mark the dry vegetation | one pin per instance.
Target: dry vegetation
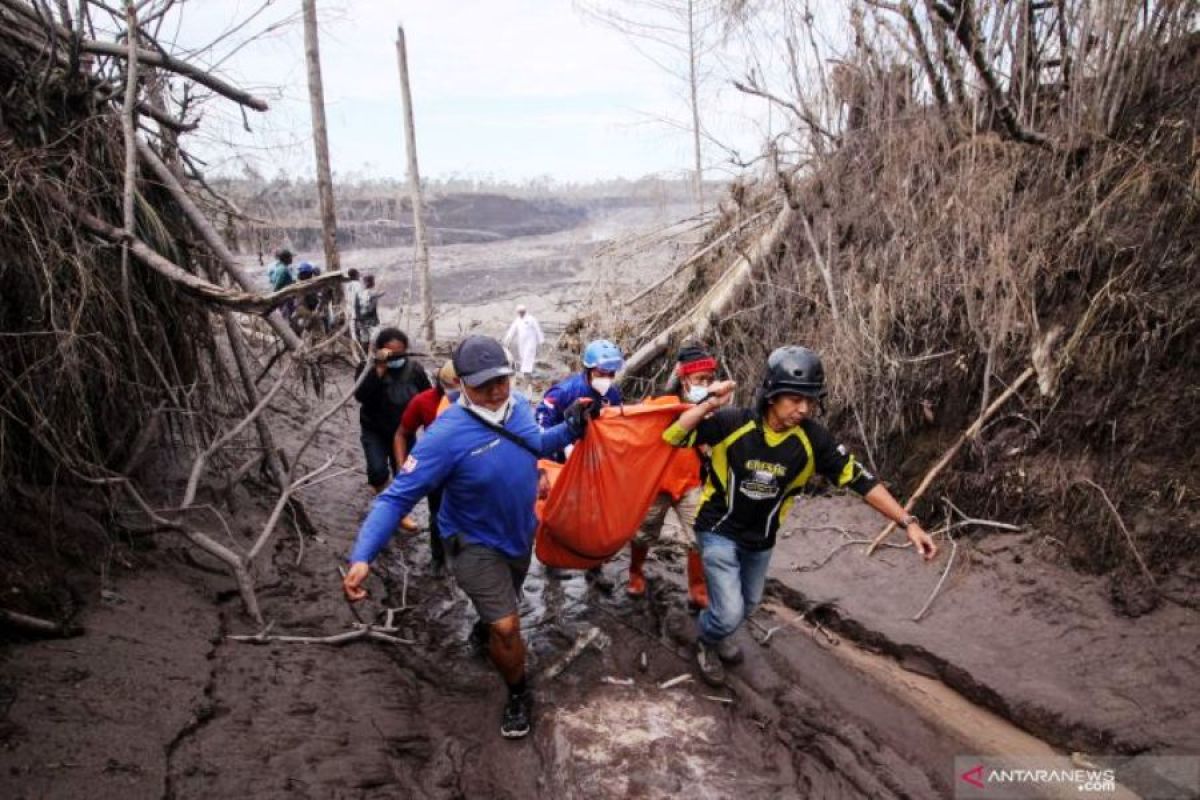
(131, 337)
(1027, 198)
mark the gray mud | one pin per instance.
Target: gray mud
(1013, 629)
(155, 701)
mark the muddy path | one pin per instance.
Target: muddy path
(157, 701)
(421, 720)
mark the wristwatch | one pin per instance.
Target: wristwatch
(908, 519)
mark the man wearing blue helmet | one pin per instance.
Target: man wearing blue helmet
(601, 361)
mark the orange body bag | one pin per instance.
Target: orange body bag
(599, 498)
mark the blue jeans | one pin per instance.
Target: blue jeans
(736, 577)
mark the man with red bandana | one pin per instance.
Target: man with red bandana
(680, 485)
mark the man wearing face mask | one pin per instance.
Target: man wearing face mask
(762, 457)
(393, 381)
(601, 361)
(482, 453)
(679, 487)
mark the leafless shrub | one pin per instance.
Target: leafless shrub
(1043, 175)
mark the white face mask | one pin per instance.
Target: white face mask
(697, 394)
(602, 385)
(496, 417)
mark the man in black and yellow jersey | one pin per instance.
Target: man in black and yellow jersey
(761, 460)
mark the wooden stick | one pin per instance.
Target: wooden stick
(591, 635)
(365, 632)
(673, 682)
(938, 587)
(969, 434)
(1124, 530)
(43, 627)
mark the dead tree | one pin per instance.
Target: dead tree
(414, 187)
(673, 27)
(698, 174)
(316, 99)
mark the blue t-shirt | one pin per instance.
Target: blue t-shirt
(489, 483)
(561, 395)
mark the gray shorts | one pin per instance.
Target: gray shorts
(491, 579)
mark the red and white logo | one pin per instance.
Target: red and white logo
(974, 776)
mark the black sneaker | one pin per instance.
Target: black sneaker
(518, 716)
(711, 668)
(479, 638)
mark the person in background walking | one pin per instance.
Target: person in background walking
(312, 310)
(527, 333)
(392, 382)
(366, 311)
(350, 290)
(280, 276)
(762, 457)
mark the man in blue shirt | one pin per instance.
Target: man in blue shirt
(483, 454)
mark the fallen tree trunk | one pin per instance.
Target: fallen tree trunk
(695, 257)
(162, 61)
(698, 320)
(186, 281)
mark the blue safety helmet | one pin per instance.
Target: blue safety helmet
(305, 269)
(603, 354)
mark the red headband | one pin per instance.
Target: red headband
(707, 364)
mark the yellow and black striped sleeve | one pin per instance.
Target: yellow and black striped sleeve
(710, 431)
(836, 463)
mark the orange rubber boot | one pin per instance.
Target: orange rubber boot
(697, 588)
(637, 579)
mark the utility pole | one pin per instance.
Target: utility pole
(316, 98)
(414, 186)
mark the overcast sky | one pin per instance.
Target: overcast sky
(515, 89)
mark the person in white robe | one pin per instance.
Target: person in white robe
(527, 334)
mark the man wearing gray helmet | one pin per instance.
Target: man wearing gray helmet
(762, 457)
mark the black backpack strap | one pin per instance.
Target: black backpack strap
(505, 432)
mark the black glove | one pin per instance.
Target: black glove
(579, 413)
